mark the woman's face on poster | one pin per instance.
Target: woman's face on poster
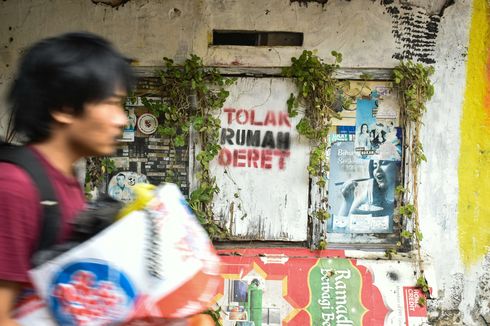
(364, 129)
(384, 173)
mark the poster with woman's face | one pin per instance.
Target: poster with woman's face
(361, 192)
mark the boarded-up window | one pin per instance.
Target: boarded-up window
(261, 169)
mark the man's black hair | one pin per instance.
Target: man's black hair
(64, 73)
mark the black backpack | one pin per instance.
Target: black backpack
(98, 215)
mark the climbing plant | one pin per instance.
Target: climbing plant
(191, 98)
(321, 96)
(414, 90)
(97, 168)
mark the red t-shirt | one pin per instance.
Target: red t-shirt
(20, 215)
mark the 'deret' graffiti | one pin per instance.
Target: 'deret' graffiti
(256, 146)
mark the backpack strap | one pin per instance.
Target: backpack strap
(50, 219)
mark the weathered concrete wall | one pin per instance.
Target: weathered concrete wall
(368, 34)
(451, 35)
(454, 216)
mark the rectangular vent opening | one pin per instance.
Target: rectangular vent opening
(257, 38)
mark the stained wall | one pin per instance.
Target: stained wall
(450, 35)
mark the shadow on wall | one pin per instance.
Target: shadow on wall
(112, 3)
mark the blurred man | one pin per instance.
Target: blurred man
(66, 103)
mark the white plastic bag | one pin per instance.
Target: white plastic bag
(154, 263)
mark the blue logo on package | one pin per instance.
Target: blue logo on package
(91, 292)
(184, 203)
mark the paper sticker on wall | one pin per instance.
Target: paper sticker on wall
(387, 106)
(121, 185)
(361, 192)
(129, 129)
(147, 123)
(376, 137)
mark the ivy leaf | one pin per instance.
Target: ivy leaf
(419, 235)
(406, 234)
(179, 141)
(322, 245)
(400, 190)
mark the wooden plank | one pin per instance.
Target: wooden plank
(263, 179)
(341, 73)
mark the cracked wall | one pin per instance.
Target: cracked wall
(481, 307)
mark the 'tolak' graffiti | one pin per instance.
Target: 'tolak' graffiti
(262, 149)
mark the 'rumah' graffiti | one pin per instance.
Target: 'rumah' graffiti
(262, 149)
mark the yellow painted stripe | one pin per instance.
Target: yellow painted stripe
(474, 160)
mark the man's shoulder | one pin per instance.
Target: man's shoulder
(13, 178)
(19, 217)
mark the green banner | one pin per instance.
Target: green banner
(335, 290)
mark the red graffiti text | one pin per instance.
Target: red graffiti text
(253, 158)
(244, 116)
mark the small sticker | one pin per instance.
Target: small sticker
(147, 123)
(412, 307)
(120, 186)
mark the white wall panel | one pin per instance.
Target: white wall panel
(264, 189)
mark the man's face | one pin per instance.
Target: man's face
(96, 130)
(120, 180)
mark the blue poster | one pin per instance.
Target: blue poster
(361, 192)
(376, 138)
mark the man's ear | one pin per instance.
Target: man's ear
(63, 116)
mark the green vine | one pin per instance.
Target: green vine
(414, 90)
(192, 98)
(322, 244)
(424, 287)
(97, 169)
(322, 97)
(322, 214)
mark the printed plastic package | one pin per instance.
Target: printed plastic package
(155, 263)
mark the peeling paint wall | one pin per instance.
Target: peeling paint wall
(451, 35)
(260, 149)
